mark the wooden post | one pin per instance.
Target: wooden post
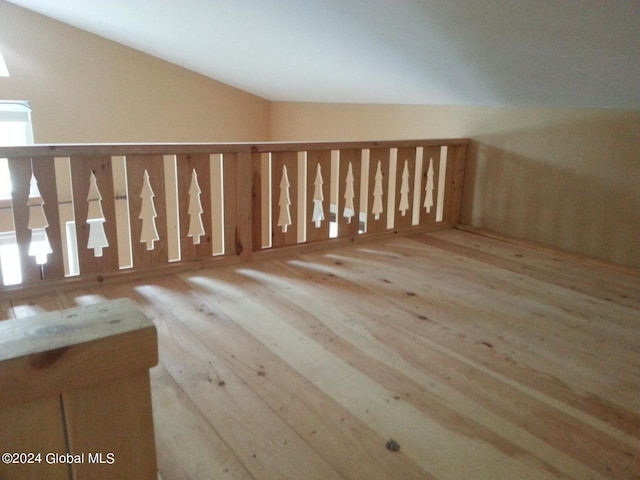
(75, 393)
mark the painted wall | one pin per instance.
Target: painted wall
(567, 178)
(84, 89)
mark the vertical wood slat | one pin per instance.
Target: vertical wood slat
(353, 156)
(239, 206)
(403, 222)
(315, 158)
(256, 201)
(35, 427)
(244, 204)
(81, 169)
(428, 154)
(44, 171)
(290, 161)
(230, 181)
(185, 166)
(136, 166)
(20, 171)
(456, 160)
(381, 155)
(128, 435)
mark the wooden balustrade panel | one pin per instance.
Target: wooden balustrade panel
(244, 204)
(429, 197)
(194, 205)
(43, 170)
(240, 203)
(318, 186)
(349, 180)
(257, 201)
(230, 201)
(81, 169)
(284, 197)
(456, 157)
(405, 176)
(378, 189)
(20, 172)
(142, 233)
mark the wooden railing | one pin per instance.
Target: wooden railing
(79, 213)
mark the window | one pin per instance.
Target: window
(15, 123)
(15, 129)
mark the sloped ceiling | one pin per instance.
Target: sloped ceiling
(571, 53)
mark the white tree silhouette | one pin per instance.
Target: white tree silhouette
(196, 228)
(377, 193)
(349, 195)
(95, 219)
(318, 198)
(38, 223)
(428, 199)
(284, 218)
(149, 233)
(404, 189)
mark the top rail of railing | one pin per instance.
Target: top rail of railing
(68, 149)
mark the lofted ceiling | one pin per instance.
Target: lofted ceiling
(570, 53)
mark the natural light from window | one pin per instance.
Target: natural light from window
(15, 129)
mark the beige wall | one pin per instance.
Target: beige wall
(83, 88)
(563, 177)
(567, 178)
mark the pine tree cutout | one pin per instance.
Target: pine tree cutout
(95, 219)
(284, 218)
(428, 199)
(318, 198)
(404, 189)
(149, 233)
(38, 223)
(196, 228)
(349, 195)
(377, 193)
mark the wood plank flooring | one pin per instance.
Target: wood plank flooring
(483, 359)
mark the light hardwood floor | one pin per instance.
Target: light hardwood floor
(482, 359)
